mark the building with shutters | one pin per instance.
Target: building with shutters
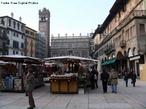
(14, 31)
(120, 41)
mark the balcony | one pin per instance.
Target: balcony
(127, 19)
(133, 14)
(123, 44)
(110, 49)
(3, 36)
(97, 46)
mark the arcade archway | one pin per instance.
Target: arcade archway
(121, 61)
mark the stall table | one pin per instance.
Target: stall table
(63, 85)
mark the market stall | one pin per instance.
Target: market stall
(73, 75)
(48, 69)
(14, 71)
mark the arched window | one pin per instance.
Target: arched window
(125, 54)
(102, 60)
(134, 51)
(113, 55)
(129, 53)
(105, 59)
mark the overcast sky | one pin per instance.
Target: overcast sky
(67, 16)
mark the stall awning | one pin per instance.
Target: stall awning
(20, 59)
(111, 61)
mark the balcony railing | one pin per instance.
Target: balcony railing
(128, 18)
(135, 13)
(123, 44)
(3, 36)
(96, 46)
(110, 49)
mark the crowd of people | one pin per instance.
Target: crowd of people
(111, 79)
(106, 78)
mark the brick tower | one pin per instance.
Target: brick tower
(44, 26)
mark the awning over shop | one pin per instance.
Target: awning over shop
(111, 61)
(104, 63)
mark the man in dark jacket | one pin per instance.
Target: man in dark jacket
(95, 72)
(133, 77)
(30, 88)
(104, 79)
(92, 81)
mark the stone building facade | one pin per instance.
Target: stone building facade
(120, 41)
(3, 39)
(14, 29)
(30, 42)
(70, 45)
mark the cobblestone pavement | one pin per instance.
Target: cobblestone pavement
(126, 98)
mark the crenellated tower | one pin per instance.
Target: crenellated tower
(44, 26)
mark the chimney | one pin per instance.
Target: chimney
(66, 34)
(99, 26)
(58, 35)
(12, 15)
(72, 34)
(80, 34)
(20, 19)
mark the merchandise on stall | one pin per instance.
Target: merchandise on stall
(14, 72)
(73, 75)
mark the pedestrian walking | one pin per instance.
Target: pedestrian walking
(104, 79)
(30, 88)
(114, 80)
(130, 75)
(126, 77)
(92, 81)
(95, 72)
(133, 77)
